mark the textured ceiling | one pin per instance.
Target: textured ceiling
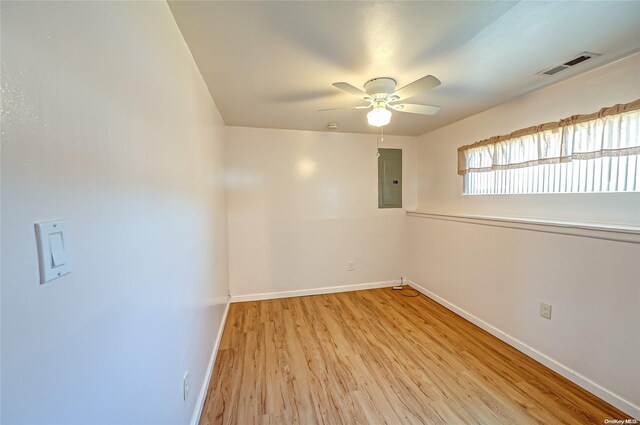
(271, 64)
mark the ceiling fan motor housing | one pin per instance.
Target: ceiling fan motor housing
(380, 88)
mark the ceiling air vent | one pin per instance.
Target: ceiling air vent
(554, 70)
(568, 64)
(577, 60)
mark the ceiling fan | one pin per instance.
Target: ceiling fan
(382, 96)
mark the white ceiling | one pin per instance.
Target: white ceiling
(271, 64)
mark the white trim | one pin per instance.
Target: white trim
(314, 291)
(580, 380)
(195, 418)
(611, 232)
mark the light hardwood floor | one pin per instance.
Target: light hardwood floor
(375, 357)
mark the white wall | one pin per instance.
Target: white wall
(501, 275)
(108, 124)
(440, 188)
(302, 203)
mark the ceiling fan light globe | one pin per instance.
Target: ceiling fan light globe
(379, 117)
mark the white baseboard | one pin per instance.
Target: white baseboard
(195, 418)
(314, 291)
(580, 380)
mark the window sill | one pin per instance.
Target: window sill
(611, 232)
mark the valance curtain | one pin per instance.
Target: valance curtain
(613, 131)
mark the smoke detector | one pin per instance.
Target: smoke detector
(332, 126)
(584, 56)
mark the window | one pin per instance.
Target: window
(581, 154)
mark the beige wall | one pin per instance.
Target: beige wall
(303, 203)
(501, 275)
(107, 123)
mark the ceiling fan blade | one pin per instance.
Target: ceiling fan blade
(417, 87)
(349, 107)
(351, 89)
(414, 108)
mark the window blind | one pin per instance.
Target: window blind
(584, 153)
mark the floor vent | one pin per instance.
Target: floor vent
(584, 56)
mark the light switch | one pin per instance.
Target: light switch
(56, 246)
(53, 250)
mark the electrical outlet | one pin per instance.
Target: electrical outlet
(545, 310)
(350, 266)
(186, 386)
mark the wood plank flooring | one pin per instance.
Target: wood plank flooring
(377, 357)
